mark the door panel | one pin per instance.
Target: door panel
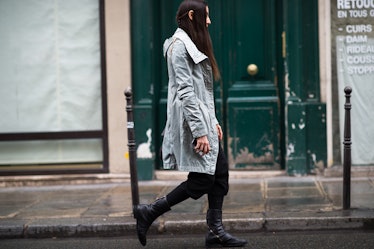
(253, 125)
(250, 38)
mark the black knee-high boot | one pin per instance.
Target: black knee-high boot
(145, 214)
(217, 236)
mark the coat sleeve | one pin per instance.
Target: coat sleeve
(183, 66)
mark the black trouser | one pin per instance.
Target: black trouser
(199, 184)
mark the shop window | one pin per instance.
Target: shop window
(52, 85)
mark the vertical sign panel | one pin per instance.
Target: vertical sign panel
(352, 30)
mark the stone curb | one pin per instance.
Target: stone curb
(112, 227)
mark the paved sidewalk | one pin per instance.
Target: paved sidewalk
(254, 204)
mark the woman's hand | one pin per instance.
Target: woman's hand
(202, 145)
(220, 133)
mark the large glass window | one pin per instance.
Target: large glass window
(51, 81)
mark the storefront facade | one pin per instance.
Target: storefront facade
(279, 100)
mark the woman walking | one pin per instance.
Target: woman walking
(192, 133)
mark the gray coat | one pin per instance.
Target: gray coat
(190, 107)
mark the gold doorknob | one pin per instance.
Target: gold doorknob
(252, 69)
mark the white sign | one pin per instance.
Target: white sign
(355, 68)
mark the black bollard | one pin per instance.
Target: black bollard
(132, 148)
(347, 151)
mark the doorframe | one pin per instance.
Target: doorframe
(305, 114)
(297, 70)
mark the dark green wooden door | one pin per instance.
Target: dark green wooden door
(262, 114)
(245, 37)
(244, 33)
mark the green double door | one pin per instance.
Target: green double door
(247, 41)
(268, 101)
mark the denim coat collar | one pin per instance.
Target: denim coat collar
(196, 55)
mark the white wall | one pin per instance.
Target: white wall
(118, 58)
(324, 22)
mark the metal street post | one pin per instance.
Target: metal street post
(347, 150)
(132, 148)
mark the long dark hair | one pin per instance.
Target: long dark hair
(197, 30)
